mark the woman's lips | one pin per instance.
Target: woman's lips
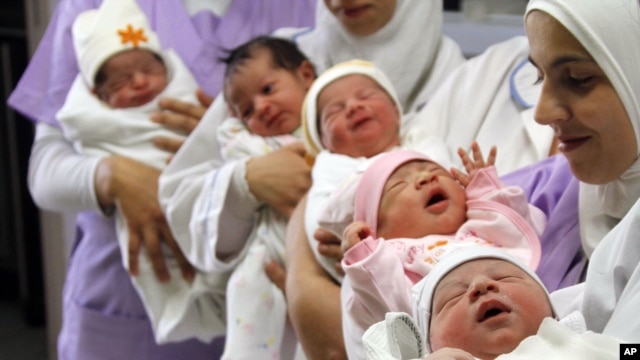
(567, 143)
(354, 12)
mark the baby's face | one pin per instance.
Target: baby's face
(486, 307)
(131, 78)
(421, 198)
(268, 99)
(357, 117)
(362, 17)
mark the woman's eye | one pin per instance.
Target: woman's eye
(539, 80)
(580, 81)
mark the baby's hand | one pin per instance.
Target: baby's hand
(473, 166)
(354, 233)
(449, 354)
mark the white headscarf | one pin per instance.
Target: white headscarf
(410, 49)
(609, 30)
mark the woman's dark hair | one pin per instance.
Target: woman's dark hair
(284, 53)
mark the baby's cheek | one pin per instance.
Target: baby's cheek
(445, 332)
(436, 340)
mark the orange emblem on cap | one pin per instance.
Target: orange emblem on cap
(132, 36)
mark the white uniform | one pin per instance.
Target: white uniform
(411, 49)
(491, 99)
(610, 296)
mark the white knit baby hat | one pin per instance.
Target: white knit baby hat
(423, 291)
(310, 106)
(115, 26)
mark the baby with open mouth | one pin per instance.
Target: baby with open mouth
(409, 213)
(481, 303)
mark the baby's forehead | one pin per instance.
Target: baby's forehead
(355, 77)
(416, 165)
(486, 266)
(354, 82)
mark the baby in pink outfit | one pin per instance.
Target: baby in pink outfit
(410, 212)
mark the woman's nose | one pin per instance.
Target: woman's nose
(550, 108)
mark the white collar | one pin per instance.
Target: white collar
(218, 7)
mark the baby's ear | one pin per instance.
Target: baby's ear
(307, 72)
(97, 93)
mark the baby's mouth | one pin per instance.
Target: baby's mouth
(435, 199)
(491, 313)
(490, 310)
(359, 123)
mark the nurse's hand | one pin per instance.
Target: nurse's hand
(277, 274)
(330, 245)
(132, 187)
(280, 178)
(180, 116)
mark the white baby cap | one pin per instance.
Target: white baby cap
(309, 107)
(115, 26)
(422, 292)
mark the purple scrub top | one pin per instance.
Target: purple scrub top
(551, 186)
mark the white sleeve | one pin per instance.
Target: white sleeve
(325, 206)
(567, 300)
(59, 178)
(193, 179)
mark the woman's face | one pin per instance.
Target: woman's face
(579, 102)
(362, 17)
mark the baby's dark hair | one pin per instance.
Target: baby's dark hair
(284, 53)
